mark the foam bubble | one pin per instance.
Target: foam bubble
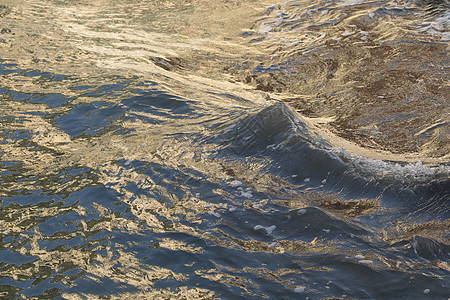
(366, 262)
(351, 2)
(215, 214)
(348, 33)
(235, 183)
(247, 194)
(268, 230)
(301, 212)
(265, 29)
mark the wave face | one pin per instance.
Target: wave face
(224, 149)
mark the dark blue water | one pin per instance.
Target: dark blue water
(224, 150)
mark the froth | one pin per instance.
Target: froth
(391, 170)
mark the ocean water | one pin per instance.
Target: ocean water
(221, 149)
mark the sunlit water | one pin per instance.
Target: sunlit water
(224, 149)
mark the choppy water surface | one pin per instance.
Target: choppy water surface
(224, 149)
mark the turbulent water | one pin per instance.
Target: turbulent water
(222, 149)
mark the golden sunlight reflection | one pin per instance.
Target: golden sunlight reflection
(220, 149)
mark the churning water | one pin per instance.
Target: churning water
(198, 149)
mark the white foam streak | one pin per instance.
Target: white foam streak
(404, 172)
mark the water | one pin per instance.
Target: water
(224, 149)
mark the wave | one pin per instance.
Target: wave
(277, 131)
(430, 248)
